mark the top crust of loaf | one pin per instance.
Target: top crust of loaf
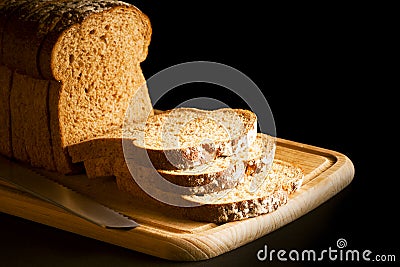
(7, 8)
(23, 34)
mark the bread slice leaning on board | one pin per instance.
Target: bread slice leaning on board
(69, 72)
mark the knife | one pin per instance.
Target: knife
(59, 195)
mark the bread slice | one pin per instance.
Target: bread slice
(221, 173)
(183, 138)
(5, 111)
(19, 112)
(256, 195)
(99, 167)
(121, 27)
(100, 74)
(259, 156)
(31, 140)
(176, 139)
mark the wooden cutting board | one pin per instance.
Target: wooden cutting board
(326, 173)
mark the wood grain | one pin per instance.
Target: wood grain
(326, 173)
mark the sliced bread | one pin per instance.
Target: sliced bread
(256, 195)
(219, 173)
(30, 121)
(99, 167)
(19, 111)
(176, 139)
(223, 173)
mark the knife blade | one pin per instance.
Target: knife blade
(59, 195)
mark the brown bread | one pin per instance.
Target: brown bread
(90, 53)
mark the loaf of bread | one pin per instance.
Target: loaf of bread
(69, 72)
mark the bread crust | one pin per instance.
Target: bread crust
(19, 112)
(239, 210)
(24, 32)
(6, 76)
(62, 160)
(7, 9)
(31, 139)
(215, 180)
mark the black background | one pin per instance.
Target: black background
(325, 71)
